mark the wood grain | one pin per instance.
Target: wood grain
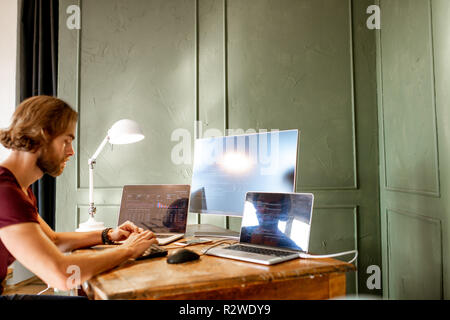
(9, 275)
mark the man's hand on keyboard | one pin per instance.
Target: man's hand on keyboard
(123, 231)
(139, 242)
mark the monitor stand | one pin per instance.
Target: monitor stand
(229, 235)
(209, 230)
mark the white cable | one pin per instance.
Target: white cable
(39, 293)
(310, 256)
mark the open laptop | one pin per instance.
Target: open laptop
(162, 209)
(275, 228)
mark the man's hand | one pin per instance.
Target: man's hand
(123, 231)
(139, 242)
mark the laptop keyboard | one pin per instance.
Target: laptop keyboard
(264, 251)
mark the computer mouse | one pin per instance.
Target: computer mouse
(182, 255)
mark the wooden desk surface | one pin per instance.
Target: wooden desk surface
(219, 278)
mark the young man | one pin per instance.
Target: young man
(40, 137)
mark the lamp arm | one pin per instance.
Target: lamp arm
(91, 163)
(99, 149)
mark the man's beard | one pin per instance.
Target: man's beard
(49, 163)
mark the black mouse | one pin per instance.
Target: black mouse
(182, 255)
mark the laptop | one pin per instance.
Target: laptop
(275, 228)
(162, 209)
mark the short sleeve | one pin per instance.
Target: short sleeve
(15, 207)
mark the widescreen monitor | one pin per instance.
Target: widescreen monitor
(226, 168)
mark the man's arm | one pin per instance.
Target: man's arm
(28, 243)
(69, 241)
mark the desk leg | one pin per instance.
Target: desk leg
(337, 285)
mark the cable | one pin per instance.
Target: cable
(39, 293)
(216, 244)
(310, 256)
(302, 255)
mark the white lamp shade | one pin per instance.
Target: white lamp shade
(125, 131)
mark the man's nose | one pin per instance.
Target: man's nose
(70, 151)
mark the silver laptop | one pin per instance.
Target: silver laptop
(162, 209)
(275, 228)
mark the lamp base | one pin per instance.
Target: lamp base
(90, 225)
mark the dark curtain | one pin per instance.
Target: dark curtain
(38, 76)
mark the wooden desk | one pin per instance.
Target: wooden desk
(9, 274)
(218, 278)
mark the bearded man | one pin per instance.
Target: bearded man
(40, 138)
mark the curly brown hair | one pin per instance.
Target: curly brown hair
(36, 122)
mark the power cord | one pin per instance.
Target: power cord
(216, 243)
(41, 292)
(219, 242)
(302, 255)
(311, 256)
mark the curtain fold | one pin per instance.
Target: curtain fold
(38, 73)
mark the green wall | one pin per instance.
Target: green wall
(413, 76)
(260, 64)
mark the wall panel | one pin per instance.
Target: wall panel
(413, 70)
(415, 256)
(409, 109)
(335, 229)
(262, 54)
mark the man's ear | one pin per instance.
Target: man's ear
(45, 136)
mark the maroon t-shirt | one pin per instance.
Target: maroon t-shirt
(15, 208)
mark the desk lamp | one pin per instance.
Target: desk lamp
(122, 132)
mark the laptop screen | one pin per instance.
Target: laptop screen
(277, 219)
(160, 208)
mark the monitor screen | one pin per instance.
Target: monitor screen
(226, 168)
(277, 220)
(160, 208)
